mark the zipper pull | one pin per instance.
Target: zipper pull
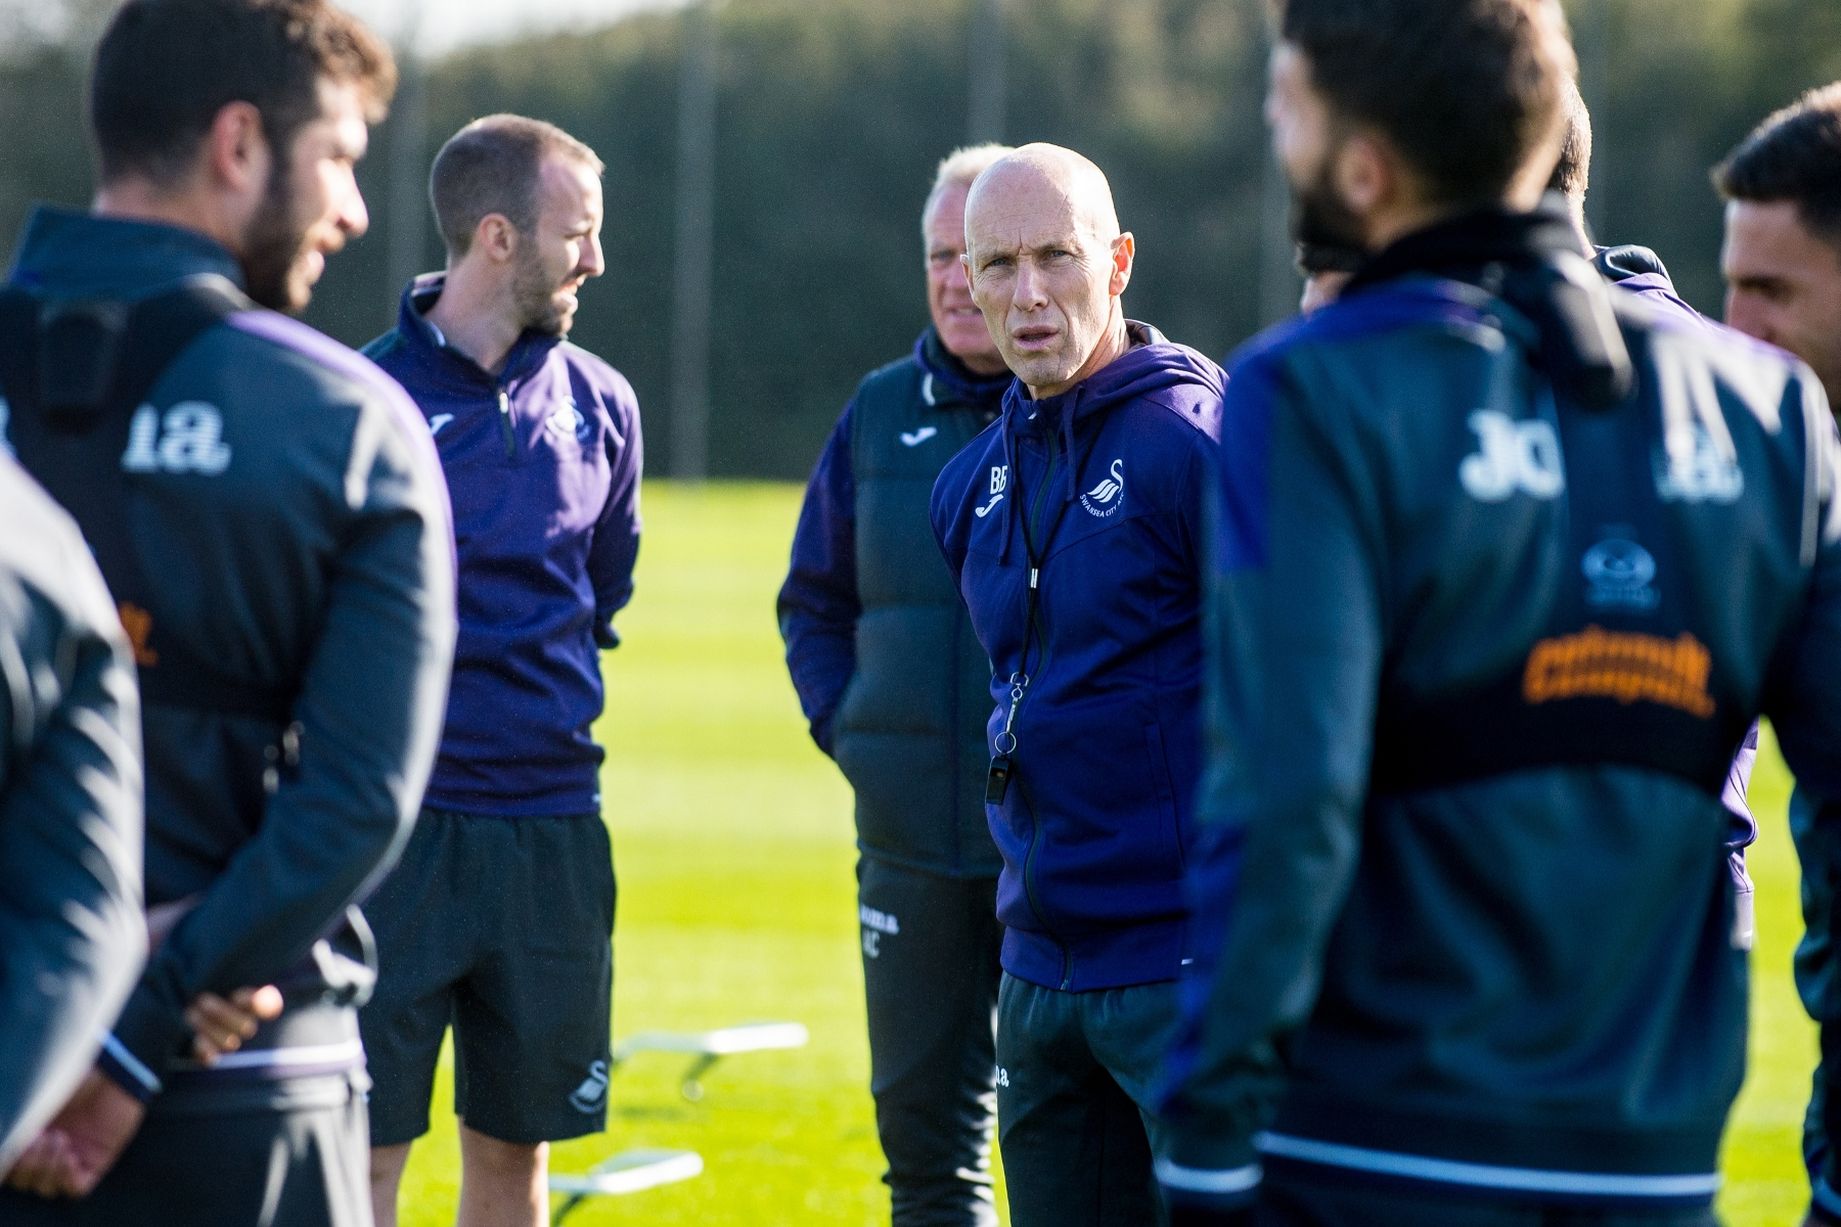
(505, 428)
(1035, 576)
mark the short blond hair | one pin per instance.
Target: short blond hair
(958, 169)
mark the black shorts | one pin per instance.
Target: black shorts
(501, 926)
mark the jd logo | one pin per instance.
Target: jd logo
(187, 438)
(1000, 477)
(591, 1095)
(1513, 457)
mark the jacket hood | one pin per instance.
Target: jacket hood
(85, 256)
(1623, 263)
(945, 379)
(1533, 262)
(1641, 272)
(1153, 364)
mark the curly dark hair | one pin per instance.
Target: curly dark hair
(165, 68)
(1465, 90)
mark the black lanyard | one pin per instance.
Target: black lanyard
(997, 782)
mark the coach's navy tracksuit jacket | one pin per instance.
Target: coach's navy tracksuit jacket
(1099, 493)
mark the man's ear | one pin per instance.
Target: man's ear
(496, 237)
(237, 154)
(1124, 251)
(1364, 174)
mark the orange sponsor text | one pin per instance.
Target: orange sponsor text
(1631, 668)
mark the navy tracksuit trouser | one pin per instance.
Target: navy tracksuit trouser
(1077, 1076)
(930, 948)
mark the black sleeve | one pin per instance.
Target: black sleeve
(1806, 677)
(1294, 638)
(71, 930)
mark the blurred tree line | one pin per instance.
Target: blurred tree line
(831, 113)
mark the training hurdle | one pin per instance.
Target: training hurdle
(705, 1048)
(630, 1171)
(633, 1171)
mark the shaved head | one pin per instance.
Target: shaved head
(1054, 172)
(1047, 264)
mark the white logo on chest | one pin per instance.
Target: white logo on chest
(567, 422)
(438, 421)
(914, 438)
(1107, 497)
(187, 438)
(1698, 470)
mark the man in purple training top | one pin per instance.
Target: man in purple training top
(500, 914)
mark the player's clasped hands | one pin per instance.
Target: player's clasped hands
(73, 1153)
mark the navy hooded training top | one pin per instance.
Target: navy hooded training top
(1097, 493)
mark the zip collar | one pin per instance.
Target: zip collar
(946, 382)
(85, 255)
(527, 353)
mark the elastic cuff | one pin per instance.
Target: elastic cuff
(1225, 1187)
(151, 1025)
(127, 1070)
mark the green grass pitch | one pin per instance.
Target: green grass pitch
(733, 844)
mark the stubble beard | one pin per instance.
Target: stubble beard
(1319, 217)
(534, 296)
(275, 248)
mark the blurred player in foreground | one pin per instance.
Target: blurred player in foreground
(269, 517)
(1478, 666)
